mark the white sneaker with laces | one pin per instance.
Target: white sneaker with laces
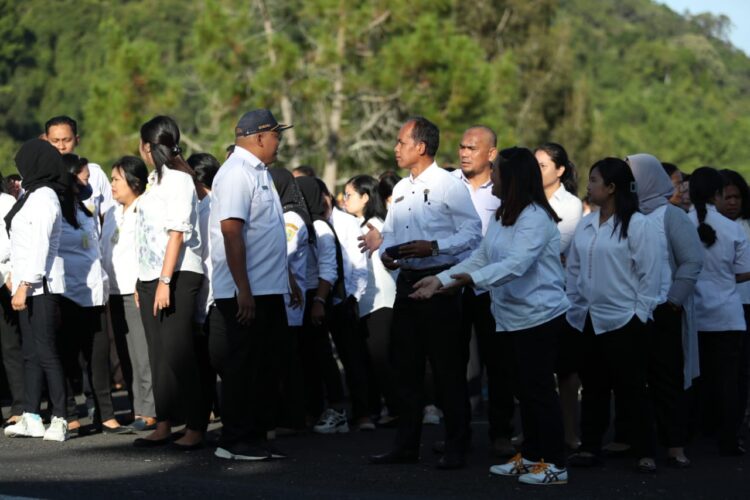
(516, 466)
(331, 422)
(431, 415)
(57, 430)
(545, 474)
(30, 425)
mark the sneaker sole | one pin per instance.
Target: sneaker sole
(552, 483)
(227, 455)
(18, 434)
(507, 474)
(340, 429)
(65, 438)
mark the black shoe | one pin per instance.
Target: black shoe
(150, 443)
(734, 451)
(584, 459)
(273, 451)
(451, 461)
(120, 429)
(189, 447)
(438, 447)
(679, 463)
(502, 448)
(140, 424)
(395, 457)
(242, 451)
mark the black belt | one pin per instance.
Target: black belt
(413, 275)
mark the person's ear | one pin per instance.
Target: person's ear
(492, 155)
(421, 148)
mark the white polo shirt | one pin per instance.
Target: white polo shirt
(485, 203)
(243, 189)
(119, 255)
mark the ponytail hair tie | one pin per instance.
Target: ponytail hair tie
(176, 150)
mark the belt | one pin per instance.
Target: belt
(418, 274)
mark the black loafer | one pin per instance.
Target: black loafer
(188, 447)
(679, 463)
(451, 461)
(120, 429)
(395, 457)
(150, 443)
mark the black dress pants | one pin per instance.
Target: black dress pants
(429, 329)
(10, 344)
(616, 360)
(174, 362)
(666, 377)
(476, 313)
(351, 346)
(718, 385)
(83, 332)
(40, 322)
(377, 327)
(243, 356)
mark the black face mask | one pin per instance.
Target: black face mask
(84, 192)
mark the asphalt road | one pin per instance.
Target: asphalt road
(331, 467)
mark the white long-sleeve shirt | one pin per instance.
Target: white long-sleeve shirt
(434, 206)
(6, 203)
(34, 242)
(381, 290)
(119, 255)
(520, 265)
(205, 299)
(297, 250)
(322, 258)
(355, 262)
(718, 306)
(570, 209)
(613, 279)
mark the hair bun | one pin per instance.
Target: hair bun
(177, 149)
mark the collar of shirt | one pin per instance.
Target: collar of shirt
(246, 155)
(559, 194)
(426, 175)
(593, 221)
(461, 176)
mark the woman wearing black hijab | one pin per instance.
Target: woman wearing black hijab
(34, 225)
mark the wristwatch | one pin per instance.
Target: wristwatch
(435, 248)
(165, 279)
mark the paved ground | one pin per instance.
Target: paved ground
(331, 467)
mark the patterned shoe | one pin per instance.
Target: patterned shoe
(543, 473)
(516, 466)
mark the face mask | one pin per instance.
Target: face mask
(85, 192)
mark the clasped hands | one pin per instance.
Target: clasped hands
(429, 286)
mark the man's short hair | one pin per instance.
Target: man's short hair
(305, 170)
(425, 131)
(491, 133)
(62, 120)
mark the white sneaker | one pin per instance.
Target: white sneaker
(431, 415)
(30, 425)
(543, 473)
(57, 430)
(331, 422)
(516, 466)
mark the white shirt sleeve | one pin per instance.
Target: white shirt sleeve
(465, 219)
(326, 245)
(573, 270)
(477, 260)
(643, 241)
(180, 207)
(39, 233)
(741, 252)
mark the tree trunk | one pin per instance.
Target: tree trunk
(330, 172)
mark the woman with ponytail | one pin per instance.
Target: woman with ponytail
(613, 284)
(719, 315)
(170, 272)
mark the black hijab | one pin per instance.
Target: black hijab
(313, 195)
(291, 197)
(41, 165)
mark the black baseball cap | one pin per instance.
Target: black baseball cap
(257, 121)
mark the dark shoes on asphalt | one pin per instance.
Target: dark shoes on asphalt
(395, 457)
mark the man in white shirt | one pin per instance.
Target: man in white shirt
(430, 224)
(477, 151)
(249, 280)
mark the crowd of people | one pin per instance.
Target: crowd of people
(254, 295)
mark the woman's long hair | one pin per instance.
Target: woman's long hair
(732, 178)
(520, 185)
(368, 185)
(616, 171)
(163, 135)
(559, 157)
(705, 184)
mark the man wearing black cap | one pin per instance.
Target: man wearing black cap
(249, 280)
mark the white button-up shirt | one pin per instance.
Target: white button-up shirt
(381, 291)
(86, 283)
(718, 306)
(485, 203)
(520, 265)
(297, 249)
(355, 262)
(204, 300)
(119, 255)
(168, 205)
(613, 279)
(321, 262)
(570, 209)
(243, 189)
(434, 206)
(744, 288)
(6, 203)
(34, 242)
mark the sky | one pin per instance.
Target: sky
(737, 10)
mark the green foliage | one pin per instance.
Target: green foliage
(605, 77)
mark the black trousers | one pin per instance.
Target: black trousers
(616, 360)
(10, 343)
(243, 355)
(429, 329)
(83, 332)
(351, 346)
(291, 405)
(744, 374)
(476, 313)
(40, 322)
(377, 330)
(174, 362)
(666, 379)
(322, 375)
(534, 352)
(718, 385)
